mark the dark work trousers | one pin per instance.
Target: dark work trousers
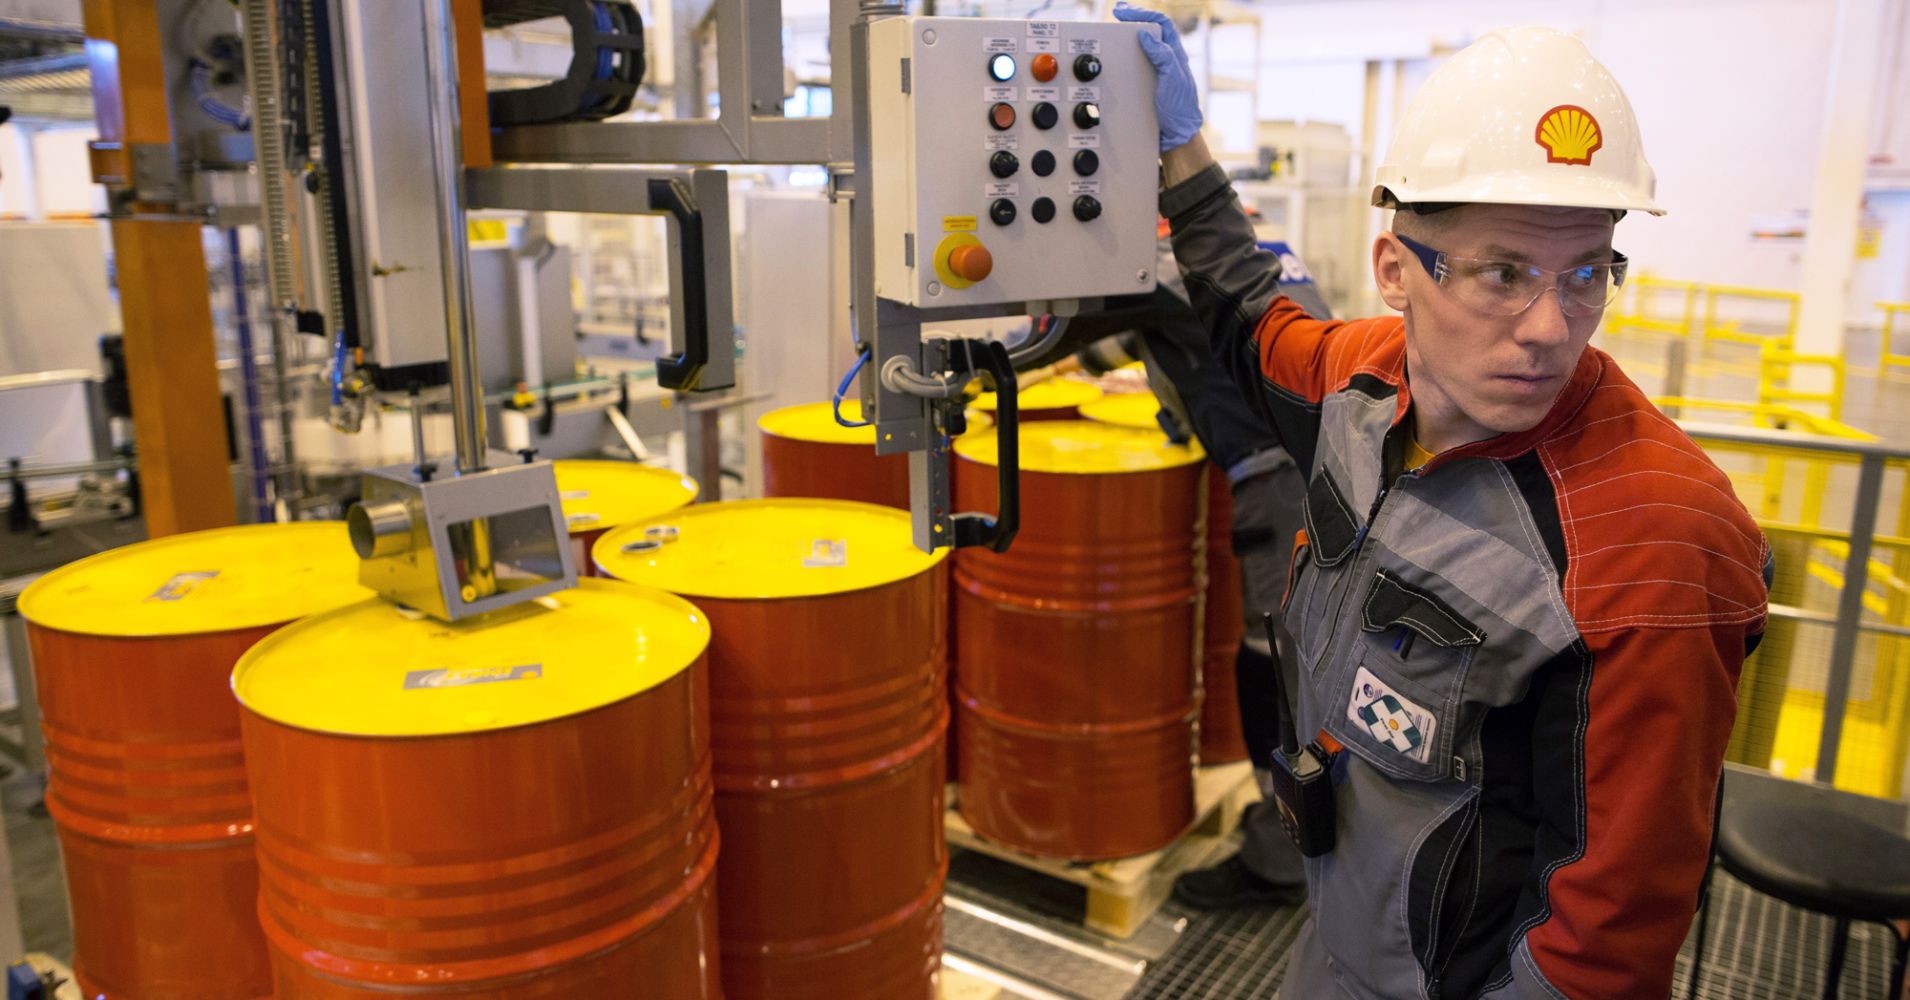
(1267, 515)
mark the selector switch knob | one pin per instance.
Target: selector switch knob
(1042, 164)
(972, 262)
(1087, 114)
(1087, 208)
(1086, 162)
(1044, 67)
(1004, 164)
(1001, 212)
(1042, 210)
(1087, 66)
(1044, 115)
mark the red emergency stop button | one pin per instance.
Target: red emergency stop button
(971, 262)
(1045, 67)
(1002, 117)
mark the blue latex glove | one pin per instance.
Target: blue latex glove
(1176, 99)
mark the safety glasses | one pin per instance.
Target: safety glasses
(1508, 288)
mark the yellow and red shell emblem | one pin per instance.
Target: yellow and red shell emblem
(1569, 134)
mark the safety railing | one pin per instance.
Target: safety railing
(1777, 364)
(1841, 713)
(1889, 358)
(1733, 329)
(1645, 294)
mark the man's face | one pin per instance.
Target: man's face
(1474, 375)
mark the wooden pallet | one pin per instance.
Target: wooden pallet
(1123, 893)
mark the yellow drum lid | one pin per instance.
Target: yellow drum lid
(205, 581)
(1084, 447)
(817, 423)
(767, 549)
(1125, 409)
(606, 494)
(1054, 394)
(372, 669)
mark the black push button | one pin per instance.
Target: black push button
(1042, 164)
(1042, 210)
(1086, 162)
(1045, 116)
(1002, 212)
(1004, 164)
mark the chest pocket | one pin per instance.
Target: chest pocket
(1403, 682)
(1319, 567)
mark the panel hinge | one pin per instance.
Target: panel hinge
(905, 75)
(908, 250)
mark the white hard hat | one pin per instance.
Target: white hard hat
(1523, 116)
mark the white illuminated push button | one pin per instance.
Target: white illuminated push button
(1001, 66)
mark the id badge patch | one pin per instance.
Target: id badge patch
(1390, 718)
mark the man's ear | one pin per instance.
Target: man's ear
(1388, 271)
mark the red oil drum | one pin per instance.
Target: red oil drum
(807, 454)
(133, 652)
(1076, 692)
(1223, 625)
(1054, 399)
(1223, 621)
(513, 806)
(827, 715)
(600, 495)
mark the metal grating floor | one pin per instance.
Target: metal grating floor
(1760, 949)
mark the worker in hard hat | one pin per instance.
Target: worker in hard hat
(1524, 594)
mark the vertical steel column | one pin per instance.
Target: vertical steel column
(467, 388)
(1850, 612)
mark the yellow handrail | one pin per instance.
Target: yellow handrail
(1889, 357)
(1733, 331)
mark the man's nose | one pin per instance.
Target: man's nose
(1543, 325)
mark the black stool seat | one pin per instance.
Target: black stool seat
(1819, 849)
(1820, 859)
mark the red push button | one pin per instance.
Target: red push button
(1002, 117)
(1045, 67)
(972, 262)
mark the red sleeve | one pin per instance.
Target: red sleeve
(1657, 712)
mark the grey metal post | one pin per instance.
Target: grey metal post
(467, 391)
(1850, 610)
(1676, 354)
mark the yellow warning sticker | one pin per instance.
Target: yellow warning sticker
(958, 223)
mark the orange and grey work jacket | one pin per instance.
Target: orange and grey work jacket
(1524, 656)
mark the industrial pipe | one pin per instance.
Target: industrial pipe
(467, 391)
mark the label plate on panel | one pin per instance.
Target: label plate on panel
(1084, 46)
(1044, 93)
(1001, 92)
(1002, 140)
(1084, 93)
(1090, 185)
(998, 45)
(1001, 189)
(1084, 140)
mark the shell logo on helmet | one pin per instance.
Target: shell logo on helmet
(1569, 134)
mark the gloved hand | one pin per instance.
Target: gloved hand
(1176, 100)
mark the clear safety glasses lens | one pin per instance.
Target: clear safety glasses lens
(1507, 288)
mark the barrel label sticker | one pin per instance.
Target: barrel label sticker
(586, 517)
(574, 495)
(461, 676)
(181, 585)
(827, 552)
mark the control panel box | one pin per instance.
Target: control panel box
(1013, 161)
